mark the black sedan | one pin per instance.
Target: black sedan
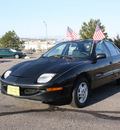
(68, 72)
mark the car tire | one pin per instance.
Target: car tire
(118, 81)
(17, 56)
(80, 93)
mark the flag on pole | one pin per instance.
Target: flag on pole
(71, 33)
(98, 34)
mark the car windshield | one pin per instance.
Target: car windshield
(13, 50)
(80, 49)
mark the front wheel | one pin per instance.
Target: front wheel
(80, 93)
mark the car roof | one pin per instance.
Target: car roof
(4, 48)
(84, 40)
(81, 40)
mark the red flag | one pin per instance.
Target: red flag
(98, 34)
(71, 33)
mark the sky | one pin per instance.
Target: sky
(26, 17)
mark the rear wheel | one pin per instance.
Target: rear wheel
(17, 56)
(80, 93)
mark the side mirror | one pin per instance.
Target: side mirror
(42, 55)
(101, 56)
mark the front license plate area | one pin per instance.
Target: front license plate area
(13, 90)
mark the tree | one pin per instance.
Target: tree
(117, 41)
(11, 40)
(88, 30)
(109, 39)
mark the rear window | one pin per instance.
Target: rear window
(117, 49)
(111, 48)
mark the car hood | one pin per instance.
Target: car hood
(37, 67)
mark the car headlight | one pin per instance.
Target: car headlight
(44, 78)
(7, 73)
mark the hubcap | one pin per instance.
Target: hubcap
(16, 56)
(82, 92)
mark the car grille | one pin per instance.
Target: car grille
(28, 91)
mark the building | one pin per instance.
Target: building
(38, 44)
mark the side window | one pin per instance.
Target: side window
(111, 48)
(2, 50)
(6, 50)
(100, 48)
(118, 51)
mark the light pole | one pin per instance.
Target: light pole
(46, 32)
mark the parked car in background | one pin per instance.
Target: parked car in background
(67, 72)
(11, 52)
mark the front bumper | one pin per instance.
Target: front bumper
(23, 55)
(38, 92)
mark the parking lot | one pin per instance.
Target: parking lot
(102, 112)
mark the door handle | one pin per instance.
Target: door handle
(111, 62)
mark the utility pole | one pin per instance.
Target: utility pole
(46, 32)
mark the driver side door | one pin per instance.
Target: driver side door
(103, 67)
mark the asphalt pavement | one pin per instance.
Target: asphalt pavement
(102, 112)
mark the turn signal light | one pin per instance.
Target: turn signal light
(54, 89)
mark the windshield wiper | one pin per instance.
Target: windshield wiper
(62, 56)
